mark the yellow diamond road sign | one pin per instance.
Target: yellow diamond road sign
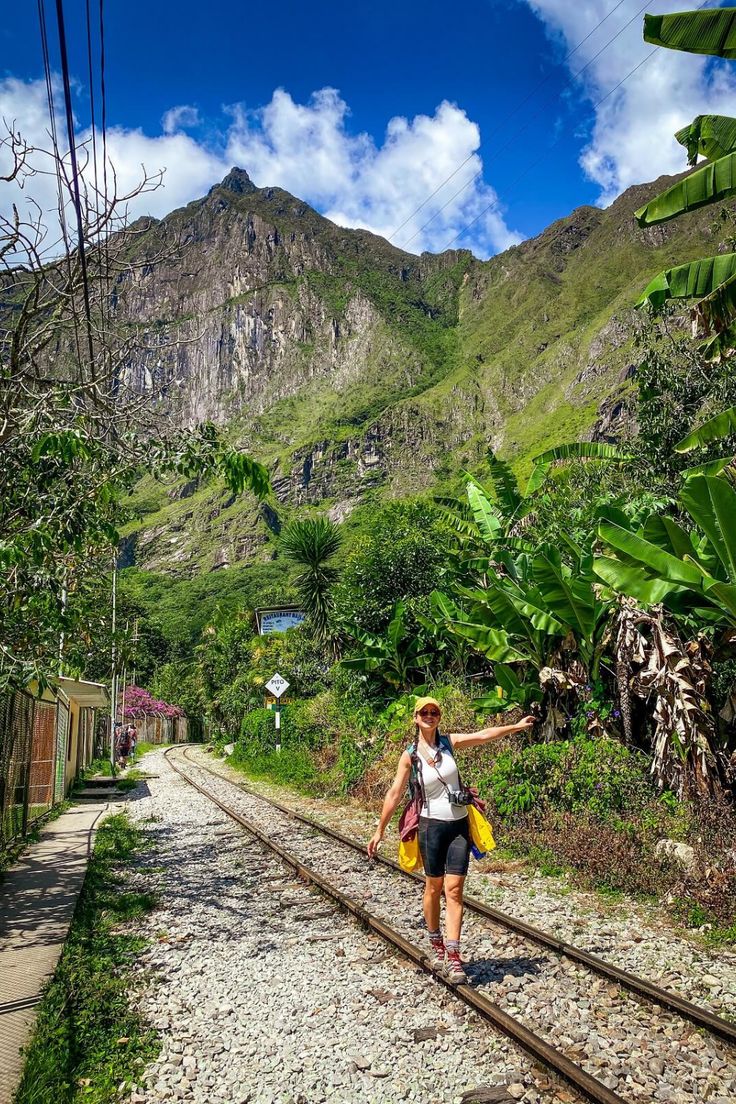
(277, 685)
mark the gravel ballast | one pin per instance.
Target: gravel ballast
(263, 991)
(639, 1051)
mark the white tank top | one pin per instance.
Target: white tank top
(436, 806)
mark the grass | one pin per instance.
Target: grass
(292, 767)
(125, 785)
(88, 1040)
(144, 746)
(101, 766)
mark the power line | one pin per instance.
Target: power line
(75, 178)
(543, 156)
(93, 127)
(58, 167)
(103, 96)
(534, 164)
(92, 111)
(101, 254)
(515, 112)
(513, 139)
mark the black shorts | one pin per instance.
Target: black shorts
(444, 846)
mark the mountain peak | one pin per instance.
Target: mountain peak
(238, 181)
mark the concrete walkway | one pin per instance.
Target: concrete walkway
(37, 901)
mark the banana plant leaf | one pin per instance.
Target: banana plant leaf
(488, 522)
(566, 594)
(444, 606)
(712, 467)
(510, 690)
(715, 429)
(709, 184)
(493, 643)
(628, 578)
(711, 503)
(532, 607)
(667, 534)
(514, 688)
(607, 512)
(395, 630)
(721, 346)
(536, 479)
(716, 311)
(495, 604)
(581, 450)
(697, 32)
(638, 550)
(688, 281)
(724, 594)
(466, 530)
(505, 486)
(710, 136)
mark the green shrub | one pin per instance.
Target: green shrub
(400, 555)
(601, 777)
(292, 766)
(257, 734)
(301, 737)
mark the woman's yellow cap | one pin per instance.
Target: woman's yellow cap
(421, 703)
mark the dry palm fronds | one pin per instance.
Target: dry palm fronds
(685, 756)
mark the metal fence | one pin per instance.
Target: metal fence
(29, 756)
(153, 728)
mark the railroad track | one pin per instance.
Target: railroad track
(534, 1044)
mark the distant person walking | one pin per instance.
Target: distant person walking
(123, 747)
(132, 739)
(117, 735)
(444, 838)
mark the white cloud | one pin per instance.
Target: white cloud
(190, 168)
(309, 150)
(180, 118)
(632, 138)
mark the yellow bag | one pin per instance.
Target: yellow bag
(481, 833)
(410, 858)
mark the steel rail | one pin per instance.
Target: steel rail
(590, 1087)
(638, 985)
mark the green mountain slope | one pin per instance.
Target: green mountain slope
(356, 371)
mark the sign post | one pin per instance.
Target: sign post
(277, 685)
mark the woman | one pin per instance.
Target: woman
(444, 840)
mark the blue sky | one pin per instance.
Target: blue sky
(364, 109)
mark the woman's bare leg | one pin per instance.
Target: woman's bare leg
(453, 904)
(432, 898)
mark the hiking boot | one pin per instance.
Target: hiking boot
(454, 969)
(437, 953)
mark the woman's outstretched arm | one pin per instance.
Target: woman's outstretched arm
(391, 801)
(486, 735)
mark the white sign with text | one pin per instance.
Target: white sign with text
(277, 685)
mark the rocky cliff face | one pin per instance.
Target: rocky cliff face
(265, 297)
(350, 366)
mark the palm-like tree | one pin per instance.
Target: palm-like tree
(312, 544)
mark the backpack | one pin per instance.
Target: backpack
(409, 820)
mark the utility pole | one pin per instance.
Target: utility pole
(61, 634)
(135, 643)
(113, 663)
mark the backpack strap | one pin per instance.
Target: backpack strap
(416, 785)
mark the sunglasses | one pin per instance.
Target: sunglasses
(429, 713)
